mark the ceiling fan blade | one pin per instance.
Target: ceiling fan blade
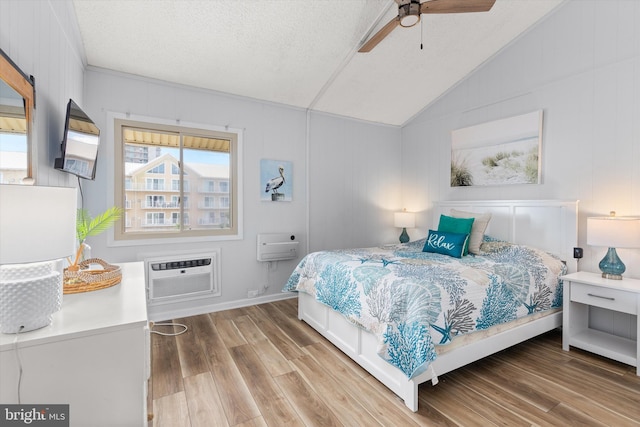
(377, 37)
(456, 6)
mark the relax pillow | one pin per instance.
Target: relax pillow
(445, 243)
(456, 225)
(477, 229)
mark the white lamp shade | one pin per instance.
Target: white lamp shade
(404, 219)
(36, 223)
(613, 232)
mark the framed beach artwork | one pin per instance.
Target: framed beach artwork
(276, 183)
(506, 151)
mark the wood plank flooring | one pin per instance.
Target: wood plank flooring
(261, 366)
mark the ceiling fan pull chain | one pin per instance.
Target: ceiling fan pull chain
(421, 32)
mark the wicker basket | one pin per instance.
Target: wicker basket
(85, 280)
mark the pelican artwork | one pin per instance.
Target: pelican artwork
(274, 183)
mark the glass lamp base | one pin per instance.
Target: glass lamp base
(404, 237)
(611, 265)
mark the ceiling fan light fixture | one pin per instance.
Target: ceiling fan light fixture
(409, 13)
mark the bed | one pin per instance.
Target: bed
(407, 316)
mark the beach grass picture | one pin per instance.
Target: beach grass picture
(500, 152)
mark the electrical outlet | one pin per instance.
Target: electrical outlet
(577, 253)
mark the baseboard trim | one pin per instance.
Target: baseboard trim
(168, 313)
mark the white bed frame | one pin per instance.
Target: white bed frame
(547, 224)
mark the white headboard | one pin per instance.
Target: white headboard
(551, 225)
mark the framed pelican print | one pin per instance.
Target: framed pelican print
(276, 183)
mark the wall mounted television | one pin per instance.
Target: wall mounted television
(79, 144)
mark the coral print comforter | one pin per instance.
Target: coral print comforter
(413, 300)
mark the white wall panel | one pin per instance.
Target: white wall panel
(42, 38)
(269, 132)
(581, 65)
(354, 183)
(353, 167)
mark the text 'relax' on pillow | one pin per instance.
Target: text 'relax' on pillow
(480, 223)
(456, 225)
(445, 243)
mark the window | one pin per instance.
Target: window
(208, 203)
(208, 186)
(154, 184)
(157, 169)
(155, 202)
(209, 158)
(175, 218)
(154, 218)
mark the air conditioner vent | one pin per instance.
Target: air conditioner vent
(173, 265)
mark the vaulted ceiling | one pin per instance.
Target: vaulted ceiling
(302, 53)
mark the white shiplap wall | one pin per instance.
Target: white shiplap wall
(581, 66)
(345, 176)
(42, 38)
(269, 131)
(354, 183)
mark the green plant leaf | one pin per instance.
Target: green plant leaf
(87, 226)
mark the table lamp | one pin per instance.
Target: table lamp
(404, 220)
(613, 232)
(37, 230)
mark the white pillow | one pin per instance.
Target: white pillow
(477, 229)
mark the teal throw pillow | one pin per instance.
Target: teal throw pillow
(445, 243)
(456, 225)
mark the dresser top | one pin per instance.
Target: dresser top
(89, 313)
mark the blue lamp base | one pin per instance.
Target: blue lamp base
(404, 237)
(611, 265)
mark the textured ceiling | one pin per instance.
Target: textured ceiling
(301, 52)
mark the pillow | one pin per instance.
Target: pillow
(456, 225)
(445, 243)
(477, 229)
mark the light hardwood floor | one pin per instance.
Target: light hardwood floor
(261, 366)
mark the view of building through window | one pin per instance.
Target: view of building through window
(13, 144)
(13, 158)
(176, 181)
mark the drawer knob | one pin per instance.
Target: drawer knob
(603, 297)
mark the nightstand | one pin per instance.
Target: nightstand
(584, 290)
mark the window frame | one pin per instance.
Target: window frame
(120, 236)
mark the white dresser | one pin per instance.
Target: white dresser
(94, 356)
(582, 291)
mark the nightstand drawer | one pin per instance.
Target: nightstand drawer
(600, 296)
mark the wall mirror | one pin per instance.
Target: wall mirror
(17, 101)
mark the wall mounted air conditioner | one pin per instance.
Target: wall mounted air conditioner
(277, 247)
(173, 278)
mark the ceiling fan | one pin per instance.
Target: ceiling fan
(409, 12)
